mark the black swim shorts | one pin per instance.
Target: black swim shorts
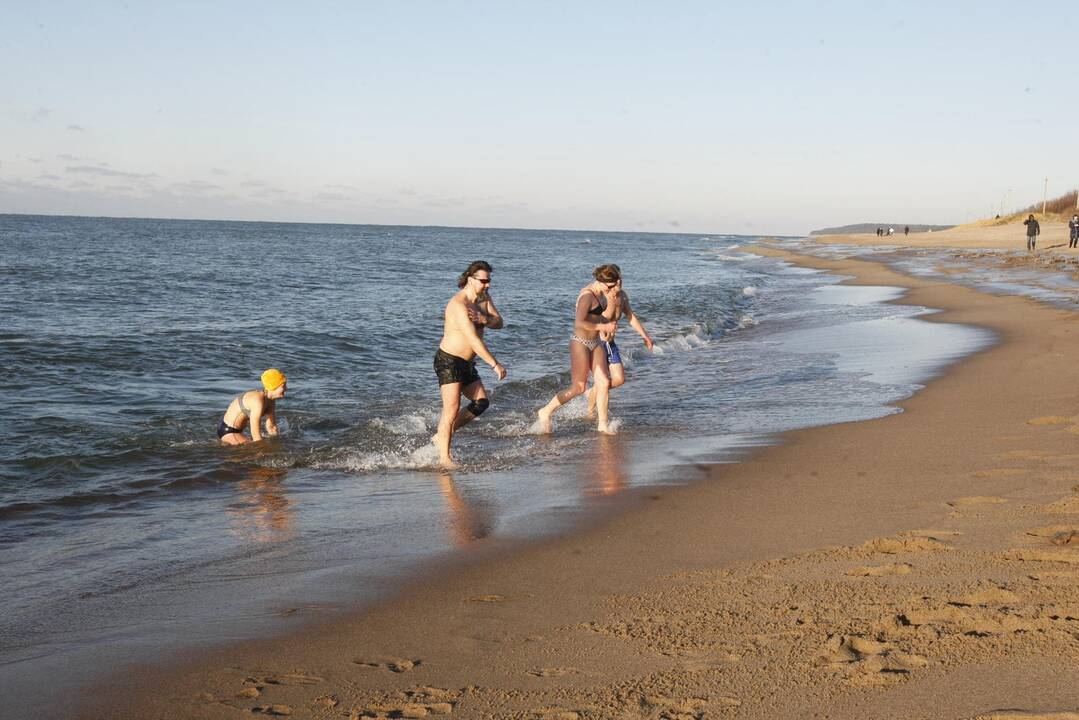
(452, 369)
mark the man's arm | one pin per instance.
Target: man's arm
(489, 317)
(457, 313)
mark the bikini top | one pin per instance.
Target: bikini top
(240, 399)
(598, 309)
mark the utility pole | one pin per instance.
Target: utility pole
(1045, 194)
(1009, 202)
(1077, 198)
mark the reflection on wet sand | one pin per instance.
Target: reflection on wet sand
(468, 519)
(605, 473)
(262, 512)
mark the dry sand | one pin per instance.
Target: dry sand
(923, 565)
(1054, 237)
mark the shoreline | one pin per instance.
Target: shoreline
(596, 623)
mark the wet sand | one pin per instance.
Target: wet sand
(923, 565)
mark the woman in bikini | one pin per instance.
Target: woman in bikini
(617, 308)
(251, 408)
(586, 351)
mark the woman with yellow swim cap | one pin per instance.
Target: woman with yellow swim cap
(252, 407)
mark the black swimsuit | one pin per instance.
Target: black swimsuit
(453, 369)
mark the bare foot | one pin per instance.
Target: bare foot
(543, 417)
(605, 429)
(445, 460)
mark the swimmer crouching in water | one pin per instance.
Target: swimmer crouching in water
(253, 407)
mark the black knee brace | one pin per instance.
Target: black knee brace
(476, 407)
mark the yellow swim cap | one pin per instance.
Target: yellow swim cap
(273, 379)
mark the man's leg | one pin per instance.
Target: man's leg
(451, 405)
(478, 396)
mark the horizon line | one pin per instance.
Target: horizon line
(324, 222)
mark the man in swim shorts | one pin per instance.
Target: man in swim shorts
(469, 313)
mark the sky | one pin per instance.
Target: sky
(709, 117)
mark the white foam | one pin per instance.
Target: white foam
(746, 321)
(403, 424)
(749, 291)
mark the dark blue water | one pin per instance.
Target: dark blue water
(125, 526)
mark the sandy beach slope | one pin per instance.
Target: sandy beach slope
(923, 565)
(1054, 237)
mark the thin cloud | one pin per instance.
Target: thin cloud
(69, 158)
(76, 128)
(196, 186)
(101, 171)
(219, 171)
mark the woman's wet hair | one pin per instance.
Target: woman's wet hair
(476, 265)
(609, 273)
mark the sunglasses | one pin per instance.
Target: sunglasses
(485, 281)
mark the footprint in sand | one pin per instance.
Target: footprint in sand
(1020, 715)
(1050, 420)
(553, 672)
(693, 707)
(398, 710)
(867, 661)
(487, 599)
(977, 500)
(965, 620)
(1057, 534)
(292, 679)
(881, 570)
(900, 545)
(1048, 555)
(556, 714)
(396, 665)
(277, 710)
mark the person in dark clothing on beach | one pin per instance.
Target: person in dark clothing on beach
(1033, 231)
(906, 229)
(1073, 227)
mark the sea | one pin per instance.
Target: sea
(127, 532)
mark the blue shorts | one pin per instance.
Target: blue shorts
(613, 358)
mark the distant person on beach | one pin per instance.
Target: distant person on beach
(906, 229)
(1073, 229)
(253, 407)
(1033, 231)
(617, 308)
(587, 353)
(468, 314)
(879, 232)
(890, 231)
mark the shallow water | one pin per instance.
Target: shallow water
(125, 529)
